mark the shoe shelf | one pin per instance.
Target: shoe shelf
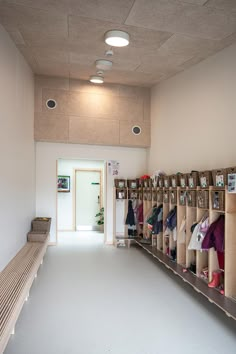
(224, 303)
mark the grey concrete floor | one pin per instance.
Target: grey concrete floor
(90, 298)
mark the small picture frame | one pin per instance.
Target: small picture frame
(182, 182)
(63, 184)
(173, 182)
(232, 182)
(191, 182)
(219, 181)
(203, 182)
(121, 184)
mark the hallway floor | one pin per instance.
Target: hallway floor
(90, 298)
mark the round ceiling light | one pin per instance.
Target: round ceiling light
(117, 38)
(95, 79)
(103, 64)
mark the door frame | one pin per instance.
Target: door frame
(101, 202)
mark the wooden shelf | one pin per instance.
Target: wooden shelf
(225, 304)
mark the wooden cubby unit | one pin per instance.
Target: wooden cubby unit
(192, 210)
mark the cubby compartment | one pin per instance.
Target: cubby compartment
(140, 194)
(191, 198)
(182, 194)
(213, 260)
(218, 200)
(191, 218)
(202, 263)
(166, 240)
(121, 193)
(203, 199)
(120, 183)
(166, 181)
(160, 195)
(133, 183)
(133, 193)
(181, 232)
(147, 183)
(166, 196)
(173, 196)
(154, 195)
(160, 181)
(174, 181)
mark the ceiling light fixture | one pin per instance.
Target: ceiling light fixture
(117, 38)
(103, 64)
(95, 79)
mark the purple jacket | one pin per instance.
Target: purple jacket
(215, 235)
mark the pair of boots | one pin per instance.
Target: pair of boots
(216, 279)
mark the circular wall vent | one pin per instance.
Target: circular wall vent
(136, 130)
(51, 103)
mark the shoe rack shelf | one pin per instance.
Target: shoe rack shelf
(192, 211)
(223, 302)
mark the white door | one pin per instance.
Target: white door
(87, 199)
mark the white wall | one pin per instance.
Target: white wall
(133, 162)
(17, 178)
(193, 117)
(65, 206)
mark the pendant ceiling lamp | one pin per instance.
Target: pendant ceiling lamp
(117, 38)
(103, 64)
(95, 79)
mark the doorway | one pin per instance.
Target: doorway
(77, 207)
(88, 199)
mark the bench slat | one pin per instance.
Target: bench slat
(15, 282)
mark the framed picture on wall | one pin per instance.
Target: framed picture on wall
(63, 183)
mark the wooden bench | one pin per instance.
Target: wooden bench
(15, 282)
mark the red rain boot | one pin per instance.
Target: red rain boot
(215, 279)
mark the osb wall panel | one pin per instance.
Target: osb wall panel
(91, 114)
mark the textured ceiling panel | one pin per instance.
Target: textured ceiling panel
(65, 37)
(188, 19)
(91, 31)
(195, 2)
(40, 22)
(164, 64)
(52, 69)
(50, 5)
(222, 4)
(185, 45)
(50, 55)
(108, 10)
(133, 78)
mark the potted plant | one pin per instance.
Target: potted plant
(100, 220)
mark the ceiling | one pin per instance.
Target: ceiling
(65, 37)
